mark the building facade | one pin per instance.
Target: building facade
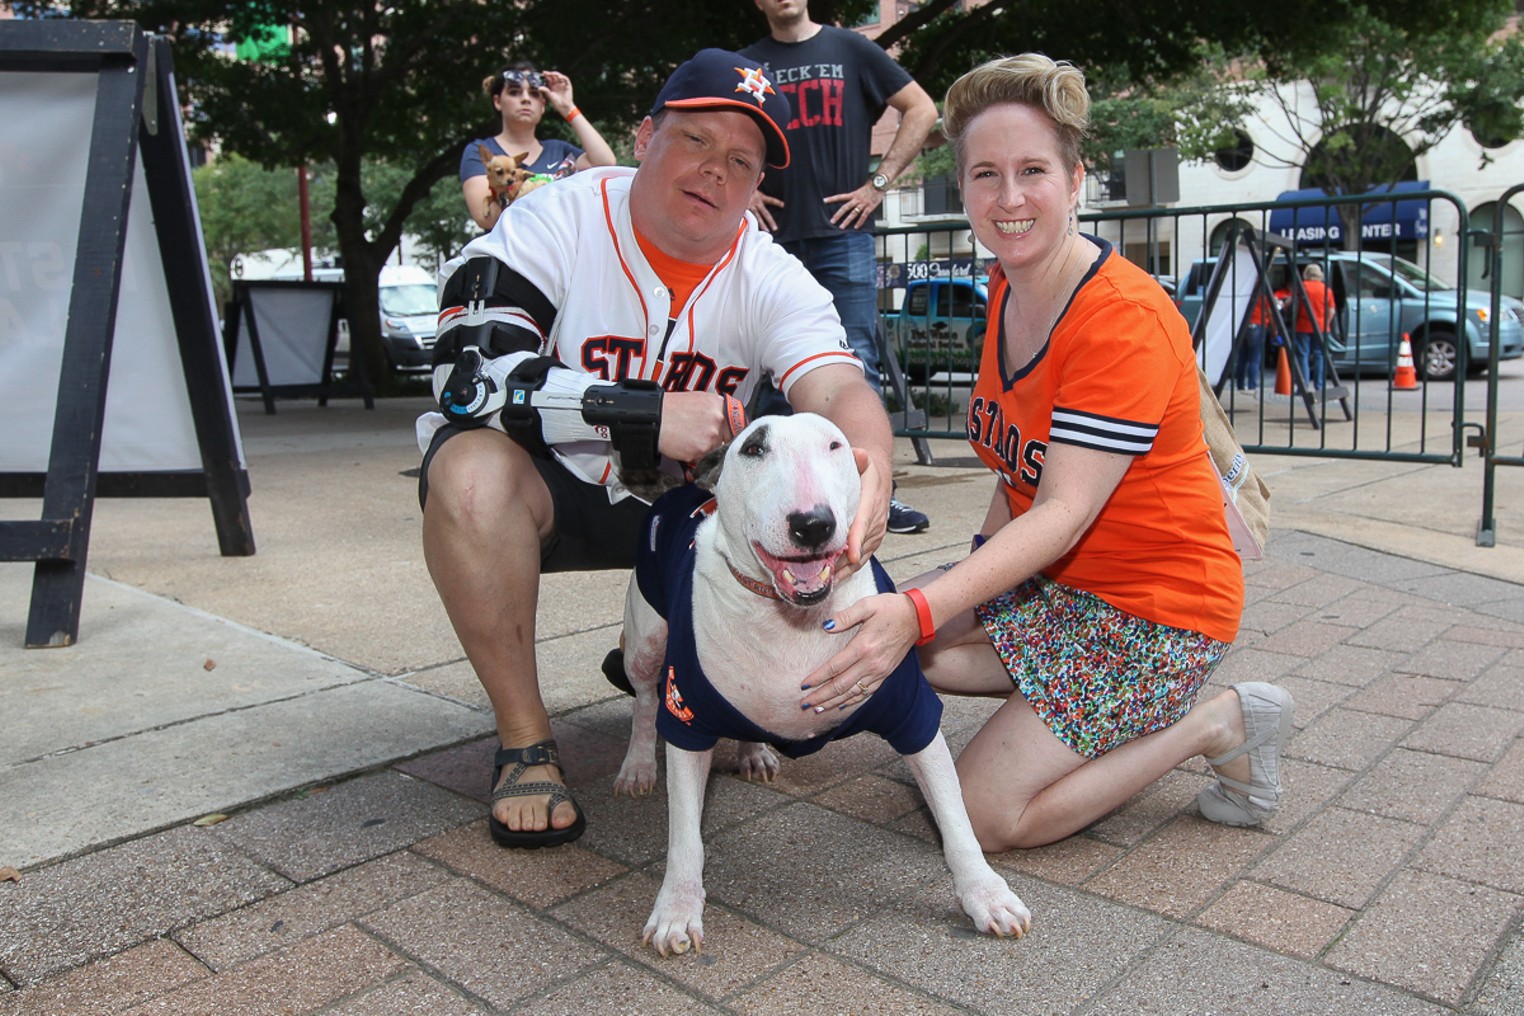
(1265, 166)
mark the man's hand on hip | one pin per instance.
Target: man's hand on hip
(762, 206)
(857, 207)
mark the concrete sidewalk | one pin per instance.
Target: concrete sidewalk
(315, 696)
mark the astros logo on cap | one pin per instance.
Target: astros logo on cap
(753, 83)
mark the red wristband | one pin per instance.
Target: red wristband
(572, 114)
(922, 616)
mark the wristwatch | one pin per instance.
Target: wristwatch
(879, 181)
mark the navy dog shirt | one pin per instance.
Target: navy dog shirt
(904, 710)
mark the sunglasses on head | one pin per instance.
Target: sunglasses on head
(533, 79)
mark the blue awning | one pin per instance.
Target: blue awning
(1383, 218)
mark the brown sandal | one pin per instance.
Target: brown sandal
(543, 753)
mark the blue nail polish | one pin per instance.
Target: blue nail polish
(804, 687)
(806, 706)
(829, 624)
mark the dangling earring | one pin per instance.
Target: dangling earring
(1071, 223)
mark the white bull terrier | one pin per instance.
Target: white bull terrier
(722, 623)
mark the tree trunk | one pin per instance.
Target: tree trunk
(363, 305)
(363, 259)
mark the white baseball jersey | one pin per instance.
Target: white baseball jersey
(757, 312)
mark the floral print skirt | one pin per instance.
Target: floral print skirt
(1097, 676)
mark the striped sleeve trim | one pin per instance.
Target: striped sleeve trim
(1103, 433)
(845, 356)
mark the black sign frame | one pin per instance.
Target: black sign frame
(137, 114)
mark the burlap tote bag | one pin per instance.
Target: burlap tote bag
(1245, 498)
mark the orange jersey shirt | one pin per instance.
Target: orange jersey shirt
(1259, 311)
(1118, 374)
(1320, 303)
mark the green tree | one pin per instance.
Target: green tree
(399, 82)
(1382, 94)
(440, 222)
(244, 207)
(1143, 42)
(1379, 89)
(1193, 110)
(354, 84)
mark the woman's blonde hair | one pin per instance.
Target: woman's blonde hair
(1056, 87)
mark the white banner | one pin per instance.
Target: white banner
(293, 334)
(44, 148)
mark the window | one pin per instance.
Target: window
(916, 303)
(1111, 177)
(964, 304)
(1238, 155)
(409, 300)
(1336, 277)
(868, 19)
(1479, 262)
(1488, 136)
(1373, 285)
(941, 196)
(1152, 256)
(1354, 158)
(1220, 232)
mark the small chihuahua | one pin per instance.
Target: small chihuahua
(504, 176)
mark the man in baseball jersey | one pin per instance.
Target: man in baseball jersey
(614, 321)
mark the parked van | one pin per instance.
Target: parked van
(409, 316)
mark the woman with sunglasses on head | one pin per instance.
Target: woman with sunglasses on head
(520, 94)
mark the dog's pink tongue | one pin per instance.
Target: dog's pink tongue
(806, 576)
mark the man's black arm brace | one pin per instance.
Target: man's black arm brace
(629, 412)
(482, 283)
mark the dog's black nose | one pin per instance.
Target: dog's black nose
(813, 528)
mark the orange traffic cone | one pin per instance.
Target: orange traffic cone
(1282, 374)
(1406, 378)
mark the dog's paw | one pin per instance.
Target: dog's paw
(756, 762)
(676, 923)
(637, 779)
(994, 908)
(648, 484)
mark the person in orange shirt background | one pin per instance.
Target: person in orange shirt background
(1317, 310)
(1251, 352)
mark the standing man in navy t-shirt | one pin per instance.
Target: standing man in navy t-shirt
(821, 209)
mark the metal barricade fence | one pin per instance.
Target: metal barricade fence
(919, 267)
(1387, 286)
(1498, 262)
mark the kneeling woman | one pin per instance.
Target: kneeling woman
(1103, 587)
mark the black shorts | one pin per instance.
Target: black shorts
(590, 533)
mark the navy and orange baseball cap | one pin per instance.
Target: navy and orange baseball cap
(720, 79)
